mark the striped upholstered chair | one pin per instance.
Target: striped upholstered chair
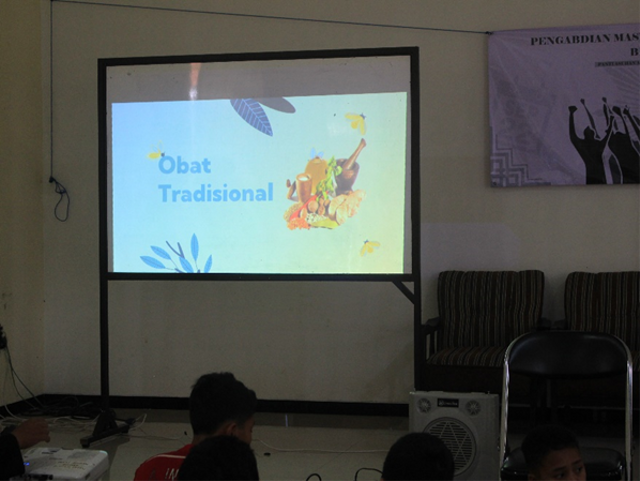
(480, 313)
(606, 302)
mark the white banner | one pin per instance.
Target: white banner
(565, 106)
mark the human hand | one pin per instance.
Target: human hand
(31, 432)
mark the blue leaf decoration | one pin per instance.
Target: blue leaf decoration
(207, 266)
(161, 252)
(153, 262)
(186, 265)
(253, 113)
(277, 103)
(194, 247)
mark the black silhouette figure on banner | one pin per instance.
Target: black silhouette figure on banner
(635, 123)
(618, 147)
(621, 144)
(591, 147)
(609, 157)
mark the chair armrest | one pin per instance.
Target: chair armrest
(432, 326)
(429, 331)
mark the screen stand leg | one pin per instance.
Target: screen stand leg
(106, 427)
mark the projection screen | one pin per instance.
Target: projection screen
(296, 164)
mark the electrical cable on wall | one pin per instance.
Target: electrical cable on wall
(14, 376)
(62, 191)
(68, 406)
(59, 188)
(274, 17)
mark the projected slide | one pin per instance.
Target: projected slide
(287, 184)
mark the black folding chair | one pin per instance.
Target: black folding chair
(553, 355)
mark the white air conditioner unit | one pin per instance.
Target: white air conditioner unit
(468, 423)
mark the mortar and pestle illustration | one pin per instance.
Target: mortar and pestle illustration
(306, 182)
(350, 169)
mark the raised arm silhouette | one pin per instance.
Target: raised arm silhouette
(635, 123)
(590, 147)
(622, 147)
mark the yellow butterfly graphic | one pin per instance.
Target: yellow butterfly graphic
(357, 122)
(369, 247)
(157, 153)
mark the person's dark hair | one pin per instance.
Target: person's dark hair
(418, 456)
(540, 441)
(217, 398)
(220, 458)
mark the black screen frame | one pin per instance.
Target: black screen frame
(411, 52)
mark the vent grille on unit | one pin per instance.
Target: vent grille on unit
(473, 407)
(424, 405)
(458, 438)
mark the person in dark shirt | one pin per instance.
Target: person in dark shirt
(418, 456)
(552, 452)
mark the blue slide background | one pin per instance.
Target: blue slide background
(245, 236)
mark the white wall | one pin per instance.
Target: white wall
(21, 184)
(312, 341)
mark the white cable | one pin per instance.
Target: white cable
(146, 435)
(321, 451)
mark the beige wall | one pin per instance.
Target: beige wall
(160, 345)
(21, 188)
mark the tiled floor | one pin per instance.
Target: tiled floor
(288, 447)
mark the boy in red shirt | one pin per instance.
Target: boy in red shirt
(219, 404)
